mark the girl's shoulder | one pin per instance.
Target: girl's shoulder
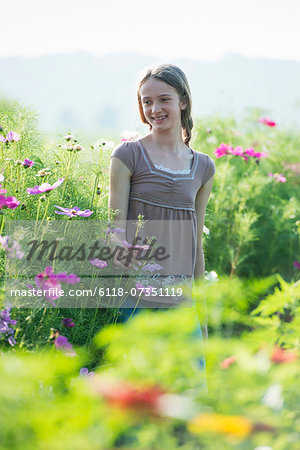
(126, 152)
(207, 165)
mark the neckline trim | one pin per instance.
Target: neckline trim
(155, 169)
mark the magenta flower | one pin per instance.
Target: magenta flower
(14, 250)
(267, 121)
(297, 264)
(68, 137)
(8, 202)
(11, 136)
(51, 282)
(44, 187)
(238, 151)
(5, 323)
(68, 322)
(223, 149)
(250, 151)
(84, 372)
(98, 263)
(27, 163)
(226, 149)
(152, 267)
(2, 191)
(136, 247)
(12, 202)
(62, 343)
(73, 212)
(260, 154)
(278, 177)
(114, 230)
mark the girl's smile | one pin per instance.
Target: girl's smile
(161, 104)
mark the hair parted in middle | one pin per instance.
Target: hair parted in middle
(175, 77)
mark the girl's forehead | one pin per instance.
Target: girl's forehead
(153, 88)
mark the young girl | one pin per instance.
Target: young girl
(161, 178)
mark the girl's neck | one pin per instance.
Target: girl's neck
(170, 142)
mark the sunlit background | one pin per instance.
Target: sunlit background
(77, 63)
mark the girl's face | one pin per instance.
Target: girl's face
(161, 105)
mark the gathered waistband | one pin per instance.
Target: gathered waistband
(157, 201)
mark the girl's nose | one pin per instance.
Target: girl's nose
(155, 107)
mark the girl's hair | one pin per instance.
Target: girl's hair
(176, 78)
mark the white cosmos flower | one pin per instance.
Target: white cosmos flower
(211, 276)
(273, 397)
(206, 230)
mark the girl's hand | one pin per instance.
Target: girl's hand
(124, 257)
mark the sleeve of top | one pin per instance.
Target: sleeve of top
(125, 153)
(210, 170)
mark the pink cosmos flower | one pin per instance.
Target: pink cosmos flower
(278, 177)
(223, 149)
(98, 263)
(73, 212)
(62, 343)
(27, 163)
(11, 136)
(267, 121)
(250, 151)
(114, 230)
(84, 372)
(8, 202)
(297, 264)
(2, 191)
(51, 282)
(12, 202)
(11, 247)
(152, 267)
(68, 322)
(137, 247)
(44, 187)
(238, 151)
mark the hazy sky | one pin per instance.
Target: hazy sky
(198, 29)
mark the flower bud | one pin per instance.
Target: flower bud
(42, 198)
(68, 137)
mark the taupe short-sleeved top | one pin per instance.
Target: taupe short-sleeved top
(160, 195)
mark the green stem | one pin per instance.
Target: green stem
(46, 208)
(37, 215)
(2, 224)
(67, 175)
(96, 178)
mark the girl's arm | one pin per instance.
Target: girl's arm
(200, 205)
(118, 198)
(119, 188)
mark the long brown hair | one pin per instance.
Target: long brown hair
(176, 78)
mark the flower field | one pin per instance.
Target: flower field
(78, 378)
